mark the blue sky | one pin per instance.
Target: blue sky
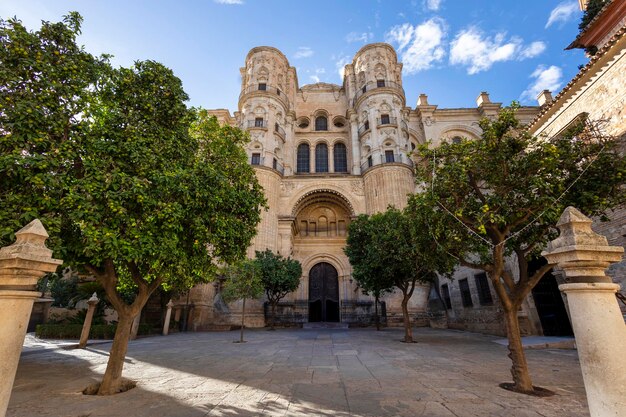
(451, 49)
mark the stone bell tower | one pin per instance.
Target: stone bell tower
(266, 111)
(378, 107)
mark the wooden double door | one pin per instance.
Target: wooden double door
(323, 293)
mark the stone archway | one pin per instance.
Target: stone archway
(323, 293)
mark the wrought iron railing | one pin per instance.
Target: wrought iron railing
(279, 130)
(364, 128)
(266, 88)
(398, 158)
(261, 161)
(258, 124)
(373, 85)
(387, 121)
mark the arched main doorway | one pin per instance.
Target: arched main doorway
(323, 293)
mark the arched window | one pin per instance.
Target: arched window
(321, 123)
(341, 158)
(303, 158)
(321, 158)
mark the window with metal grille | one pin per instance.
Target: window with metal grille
(258, 122)
(367, 125)
(445, 294)
(369, 161)
(389, 156)
(275, 163)
(384, 119)
(256, 159)
(302, 164)
(380, 83)
(262, 86)
(321, 123)
(321, 158)
(466, 295)
(340, 158)
(482, 285)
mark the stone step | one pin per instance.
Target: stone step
(325, 325)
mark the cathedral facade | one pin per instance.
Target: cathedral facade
(324, 154)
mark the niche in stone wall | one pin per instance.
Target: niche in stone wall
(322, 219)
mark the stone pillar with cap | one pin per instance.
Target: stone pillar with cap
(91, 307)
(168, 316)
(599, 328)
(21, 265)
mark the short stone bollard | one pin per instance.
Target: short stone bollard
(168, 316)
(21, 265)
(84, 334)
(598, 325)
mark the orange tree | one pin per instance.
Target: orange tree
(279, 275)
(498, 199)
(393, 250)
(135, 188)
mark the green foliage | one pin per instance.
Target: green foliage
(509, 185)
(62, 290)
(392, 249)
(72, 331)
(242, 281)
(46, 84)
(81, 315)
(279, 275)
(592, 10)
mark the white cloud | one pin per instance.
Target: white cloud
(546, 78)
(562, 12)
(478, 52)
(420, 46)
(228, 1)
(359, 37)
(303, 52)
(340, 64)
(316, 77)
(432, 4)
(532, 50)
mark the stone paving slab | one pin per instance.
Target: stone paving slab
(294, 372)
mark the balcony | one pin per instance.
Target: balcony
(364, 128)
(387, 121)
(279, 131)
(397, 158)
(256, 124)
(373, 85)
(262, 88)
(258, 160)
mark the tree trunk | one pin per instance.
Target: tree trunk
(273, 318)
(112, 380)
(243, 317)
(376, 317)
(519, 369)
(408, 331)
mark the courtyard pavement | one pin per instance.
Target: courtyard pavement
(295, 372)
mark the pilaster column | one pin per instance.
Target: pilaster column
(312, 158)
(583, 256)
(356, 148)
(331, 158)
(21, 265)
